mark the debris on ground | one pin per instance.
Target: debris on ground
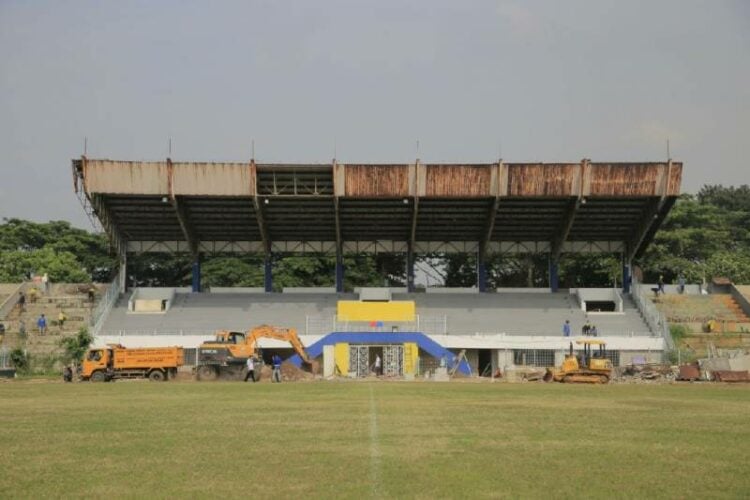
(731, 376)
(691, 372)
(645, 373)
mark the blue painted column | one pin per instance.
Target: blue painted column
(197, 274)
(339, 272)
(481, 274)
(626, 276)
(410, 271)
(268, 273)
(554, 277)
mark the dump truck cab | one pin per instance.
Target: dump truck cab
(97, 364)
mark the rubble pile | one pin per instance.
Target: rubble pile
(646, 373)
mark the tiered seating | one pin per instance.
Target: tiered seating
(511, 313)
(205, 313)
(524, 314)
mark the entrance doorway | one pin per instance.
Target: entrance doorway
(362, 359)
(484, 362)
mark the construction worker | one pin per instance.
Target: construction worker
(250, 369)
(61, 320)
(276, 375)
(41, 323)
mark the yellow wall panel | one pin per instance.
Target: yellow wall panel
(341, 355)
(411, 356)
(354, 310)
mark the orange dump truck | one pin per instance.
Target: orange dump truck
(103, 364)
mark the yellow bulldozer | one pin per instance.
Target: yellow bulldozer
(226, 355)
(590, 366)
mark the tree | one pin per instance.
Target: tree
(233, 271)
(60, 266)
(704, 236)
(75, 347)
(62, 251)
(20, 359)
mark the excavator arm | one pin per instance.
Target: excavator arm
(273, 332)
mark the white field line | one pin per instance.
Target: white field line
(374, 448)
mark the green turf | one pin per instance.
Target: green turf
(328, 439)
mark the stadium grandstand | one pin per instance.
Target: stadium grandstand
(411, 209)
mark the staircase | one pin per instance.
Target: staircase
(71, 299)
(695, 310)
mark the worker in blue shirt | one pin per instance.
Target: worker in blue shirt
(41, 323)
(566, 328)
(276, 375)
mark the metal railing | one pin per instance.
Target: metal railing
(323, 325)
(5, 358)
(178, 332)
(10, 302)
(101, 311)
(655, 319)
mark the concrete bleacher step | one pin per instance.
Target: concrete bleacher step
(512, 313)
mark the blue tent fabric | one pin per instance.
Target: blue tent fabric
(422, 340)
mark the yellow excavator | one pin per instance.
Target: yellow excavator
(591, 366)
(226, 355)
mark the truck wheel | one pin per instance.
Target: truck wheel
(207, 373)
(156, 376)
(98, 377)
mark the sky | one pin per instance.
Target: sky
(366, 81)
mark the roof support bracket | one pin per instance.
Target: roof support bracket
(565, 227)
(181, 213)
(651, 217)
(187, 231)
(483, 246)
(259, 213)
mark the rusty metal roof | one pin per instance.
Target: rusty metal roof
(498, 207)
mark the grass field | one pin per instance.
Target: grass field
(133, 439)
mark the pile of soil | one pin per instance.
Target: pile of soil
(293, 374)
(289, 373)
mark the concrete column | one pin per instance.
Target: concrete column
(410, 271)
(339, 272)
(122, 275)
(197, 274)
(268, 273)
(481, 274)
(626, 276)
(554, 278)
